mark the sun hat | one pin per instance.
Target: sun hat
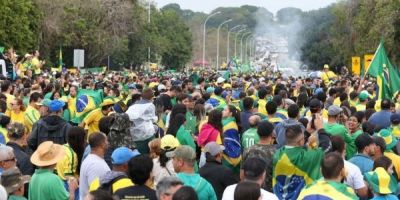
(381, 181)
(169, 142)
(47, 154)
(390, 140)
(12, 179)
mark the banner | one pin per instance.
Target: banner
(367, 60)
(356, 65)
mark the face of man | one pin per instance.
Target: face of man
(44, 111)
(72, 92)
(168, 195)
(8, 162)
(177, 163)
(371, 149)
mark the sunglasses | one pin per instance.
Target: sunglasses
(10, 160)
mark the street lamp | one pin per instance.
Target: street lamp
(241, 45)
(246, 47)
(204, 35)
(228, 49)
(219, 27)
(237, 34)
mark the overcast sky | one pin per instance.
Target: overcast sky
(271, 5)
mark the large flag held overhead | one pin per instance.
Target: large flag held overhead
(387, 75)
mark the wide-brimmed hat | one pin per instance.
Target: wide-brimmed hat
(381, 181)
(107, 102)
(12, 179)
(47, 154)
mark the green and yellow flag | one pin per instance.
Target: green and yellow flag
(327, 190)
(294, 168)
(381, 182)
(387, 76)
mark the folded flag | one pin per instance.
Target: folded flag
(323, 189)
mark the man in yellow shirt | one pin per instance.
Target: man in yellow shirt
(91, 121)
(32, 113)
(36, 63)
(327, 75)
(73, 91)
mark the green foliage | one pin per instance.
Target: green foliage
(19, 21)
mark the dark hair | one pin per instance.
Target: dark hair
(368, 127)
(363, 141)
(370, 104)
(331, 165)
(278, 100)
(338, 144)
(4, 120)
(271, 107)
(215, 119)
(101, 195)
(185, 193)
(248, 103)
(302, 100)
(5, 85)
(353, 95)
(332, 91)
(139, 169)
(199, 111)
(293, 111)
(235, 113)
(385, 104)
(359, 115)
(54, 93)
(3, 106)
(35, 97)
(76, 138)
(247, 191)
(292, 133)
(147, 94)
(265, 129)
(105, 124)
(382, 161)
(178, 109)
(343, 97)
(96, 139)
(175, 123)
(262, 93)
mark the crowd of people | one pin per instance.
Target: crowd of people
(205, 136)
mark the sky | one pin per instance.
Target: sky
(271, 5)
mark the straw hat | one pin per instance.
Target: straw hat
(47, 154)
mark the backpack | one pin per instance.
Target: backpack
(120, 132)
(107, 187)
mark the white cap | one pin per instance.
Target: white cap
(161, 87)
(220, 80)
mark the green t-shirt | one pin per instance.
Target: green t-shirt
(13, 197)
(185, 138)
(250, 138)
(338, 129)
(45, 185)
(191, 122)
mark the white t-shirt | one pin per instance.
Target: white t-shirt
(354, 177)
(230, 191)
(92, 167)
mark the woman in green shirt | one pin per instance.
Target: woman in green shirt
(354, 124)
(177, 129)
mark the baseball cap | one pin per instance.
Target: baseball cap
(12, 179)
(363, 95)
(213, 148)
(315, 103)
(210, 89)
(220, 80)
(132, 86)
(334, 110)
(169, 142)
(122, 155)
(161, 87)
(395, 118)
(184, 152)
(254, 167)
(326, 66)
(56, 105)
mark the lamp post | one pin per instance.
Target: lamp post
(246, 47)
(237, 34)
(228, 49)
(219, 27)
(204, 35)
(241, 45)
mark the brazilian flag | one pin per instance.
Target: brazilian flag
(381, 181)
(86, 101)
(294, 168)
(323, 189)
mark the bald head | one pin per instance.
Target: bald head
(254, 120)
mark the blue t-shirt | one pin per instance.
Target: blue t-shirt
(385, 197)
(381, 118)
(363, 162)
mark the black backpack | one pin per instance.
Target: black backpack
(107, 187)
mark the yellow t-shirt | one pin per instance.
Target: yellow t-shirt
(395, 161)
(261, 106)
(324, 114)
(20, 117)
(68, 165)
(92, 121)
(360, 107)
(30, 117)
(326, 76)
(36, 65)
(72, 106)
(337, 102)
